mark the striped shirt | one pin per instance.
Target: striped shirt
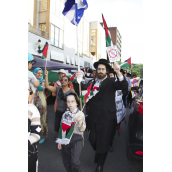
(34, 125)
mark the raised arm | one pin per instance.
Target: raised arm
(83, 86)
(54, 94)
(50, 88)
(121, 83)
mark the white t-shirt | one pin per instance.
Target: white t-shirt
(31, 79)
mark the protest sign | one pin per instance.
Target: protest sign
(120, 109)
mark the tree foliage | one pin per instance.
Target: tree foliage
(136, 69)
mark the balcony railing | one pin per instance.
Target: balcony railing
(38, 31)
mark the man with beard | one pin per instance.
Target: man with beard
(102, 108)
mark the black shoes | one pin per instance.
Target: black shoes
(99, 169)
(110, 149)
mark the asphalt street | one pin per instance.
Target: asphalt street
(50, 159)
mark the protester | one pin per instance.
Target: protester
(34, 128)
(112, 74)
(61, 94)
(125, 91)
(134, 76)
(129, 75)
(61, 73)
(85, 70)
(40, 103)
(70, 136)
(129, 97)
(93, 75)
(102, 108)
(34, 83)
(129, 87)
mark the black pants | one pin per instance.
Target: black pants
(100, 158)
(32, 158)
(58, 117)
(71, 153)
(129, 98)
(113, 131)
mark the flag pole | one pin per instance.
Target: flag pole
(79, 70)
(78, 63)
(46, 64)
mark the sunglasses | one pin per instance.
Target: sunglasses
(63, 79)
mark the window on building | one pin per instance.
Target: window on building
(56, 36)
(61, 39)
(43, 27)
(42, 5)
(98, 40)
(93, 37)
(86, 64)
(52, 34)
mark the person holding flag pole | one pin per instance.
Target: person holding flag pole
(101, 97)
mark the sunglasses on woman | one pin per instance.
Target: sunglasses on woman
(63, 79)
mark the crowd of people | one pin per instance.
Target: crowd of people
(98, 116)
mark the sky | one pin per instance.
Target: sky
(127, 16)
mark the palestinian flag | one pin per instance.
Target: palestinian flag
(72, 78)
(66, 127)
(65, 133)
(44, 51)
(86, 96)
(107, 33)
(89, 94)
(127, 63)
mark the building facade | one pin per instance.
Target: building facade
(49, 25)
(97, 41)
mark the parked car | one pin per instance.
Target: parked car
(135, 127)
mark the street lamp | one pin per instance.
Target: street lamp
(39, 46)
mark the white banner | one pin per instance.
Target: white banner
(134, 81)
(112, 54)
(120, 109)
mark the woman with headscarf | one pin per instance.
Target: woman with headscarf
(40, 103)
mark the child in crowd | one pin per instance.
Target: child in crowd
(34, 83)
(70, 136)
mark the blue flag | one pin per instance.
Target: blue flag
(74, 10)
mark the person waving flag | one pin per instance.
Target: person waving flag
(74, 10)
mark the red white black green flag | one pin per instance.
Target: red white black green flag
(112, 51)
(44, 51)
(127, 63)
